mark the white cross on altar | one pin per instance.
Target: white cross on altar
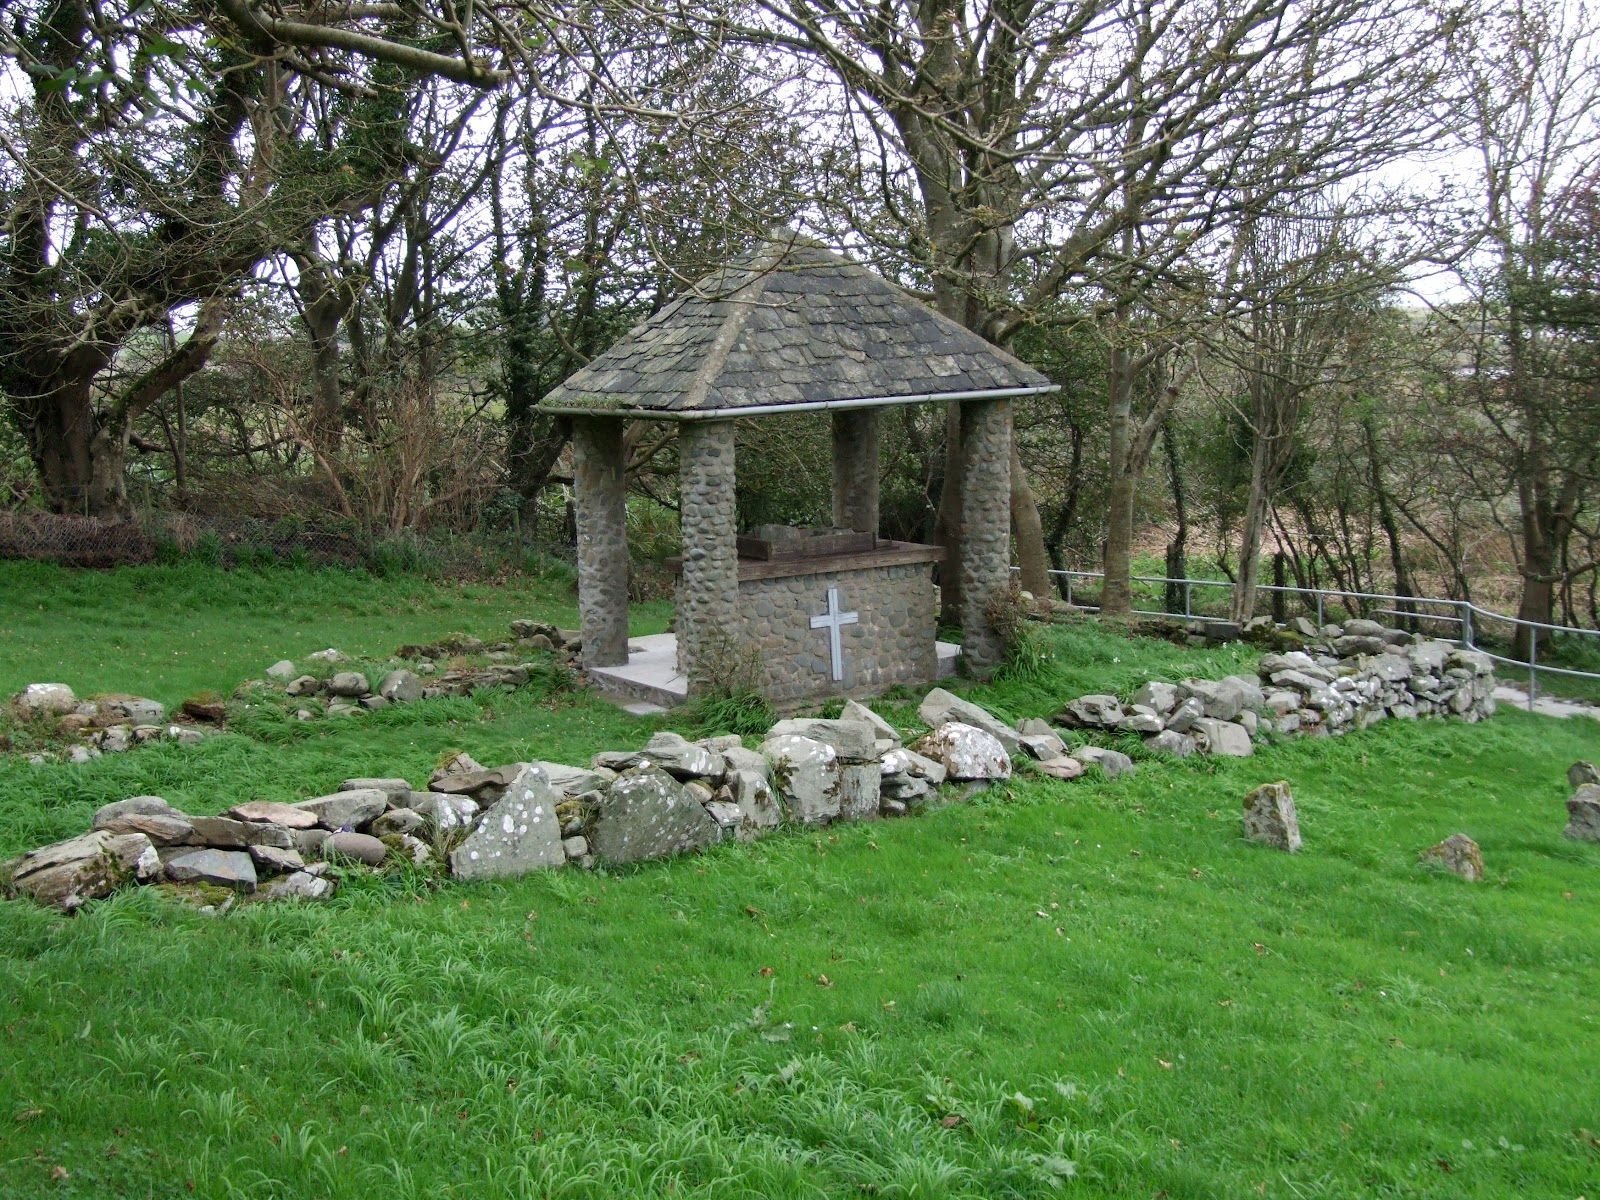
(833, 620)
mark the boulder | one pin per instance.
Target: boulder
(805, 775)
(458, 764)
(351, 684)
(227, 834)
(45, 700)
(1141, 720)
(1351, 645)
(1303, 626)
(1391, 668)
(346, 810)
(267, 812)
(1160, 698)
(133, 805)
(1062, 767)
(854, 710)
(758, 807)
(940, 707)
(1223, 738)
(137, 709)
(276, 858)
(443, 811)
(358, 847)
(575, 846)
(648, 814)
(1581, 772)
(283, 670)
(1361, 627)
(1111, 762)
(517, 834)
(163, 829)
(1583, 813)
(392, 786)
(67, 874)
(740, 759)
(1270, 818)
(397, 821)
(1091, 712)
(674, 754)
(224, 868)
(966, 752)
(210, 708)
(1043, 746)
(721, 742)
(1170, 741)
(852, 741)
(400, 687)
(305, 685)
(1223, 699)
(1458, 854)
(1182, 718)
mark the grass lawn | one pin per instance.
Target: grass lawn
(1092, 988)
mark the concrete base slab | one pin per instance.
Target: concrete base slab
(649, 683)
(1546, 706)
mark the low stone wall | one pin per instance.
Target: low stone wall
(673, 796)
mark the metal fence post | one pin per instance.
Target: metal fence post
(1533, 667)
(1465, 608)
(1187, 586)
(1320, 620)
(1069, 590)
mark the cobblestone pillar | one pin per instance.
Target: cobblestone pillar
(985, 528)
(601, 497)
(855, 470)
(708, 593)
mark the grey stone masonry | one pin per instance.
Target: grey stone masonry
(985, 527)
(855, 470)
(602, 539)
(708, 593)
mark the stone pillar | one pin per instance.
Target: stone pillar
(602, 498)
(985, 528)
(855, 469)
(708, 593)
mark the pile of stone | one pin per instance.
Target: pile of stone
(1348, 682)
(430, 675)
(106, 724)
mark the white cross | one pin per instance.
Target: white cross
(833, 620)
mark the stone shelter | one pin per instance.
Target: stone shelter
(792, 328)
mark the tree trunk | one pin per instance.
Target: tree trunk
(1177, 566)
(80, 461)
(1116, 593)
(1255, 509)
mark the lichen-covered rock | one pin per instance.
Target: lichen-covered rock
(647, 814)
(137, 710)
(223, 868)
(966, 752)
(1458, 854)
(575, 781)
(672, 753)
(45, 700)
(93, 865)
(1043, 746)
(758, 807)
(300, 885)
(519, 833)
(1581, 772)
(400, 687)
(940, 707)
(852, 741)
(1091, 712)
(1160, 698)
(346, 810)
(443, 811)
(1583, 813)
(901, 762)
(1270, 817)
(859, 791)
(805, 775)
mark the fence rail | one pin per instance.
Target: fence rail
(1465, 618)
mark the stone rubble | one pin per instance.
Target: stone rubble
(674, 796)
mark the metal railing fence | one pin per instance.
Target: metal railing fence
(1463, 617)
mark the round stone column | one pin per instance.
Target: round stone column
(708, 592)
(855, 470)
(985, 528)
(602, 503)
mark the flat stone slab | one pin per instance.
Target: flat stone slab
(225, 868)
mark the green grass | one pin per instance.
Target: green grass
(1092, 989)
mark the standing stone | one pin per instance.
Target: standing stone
(940, 706)
(648, 814)
(708, 625)
(985, 529)
(600, 494)
(1459, 854)
(967, 752)
(805, 774)
(1583, 813)
(67, 874)
(1269, 817)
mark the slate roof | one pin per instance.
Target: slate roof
(791, 324)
